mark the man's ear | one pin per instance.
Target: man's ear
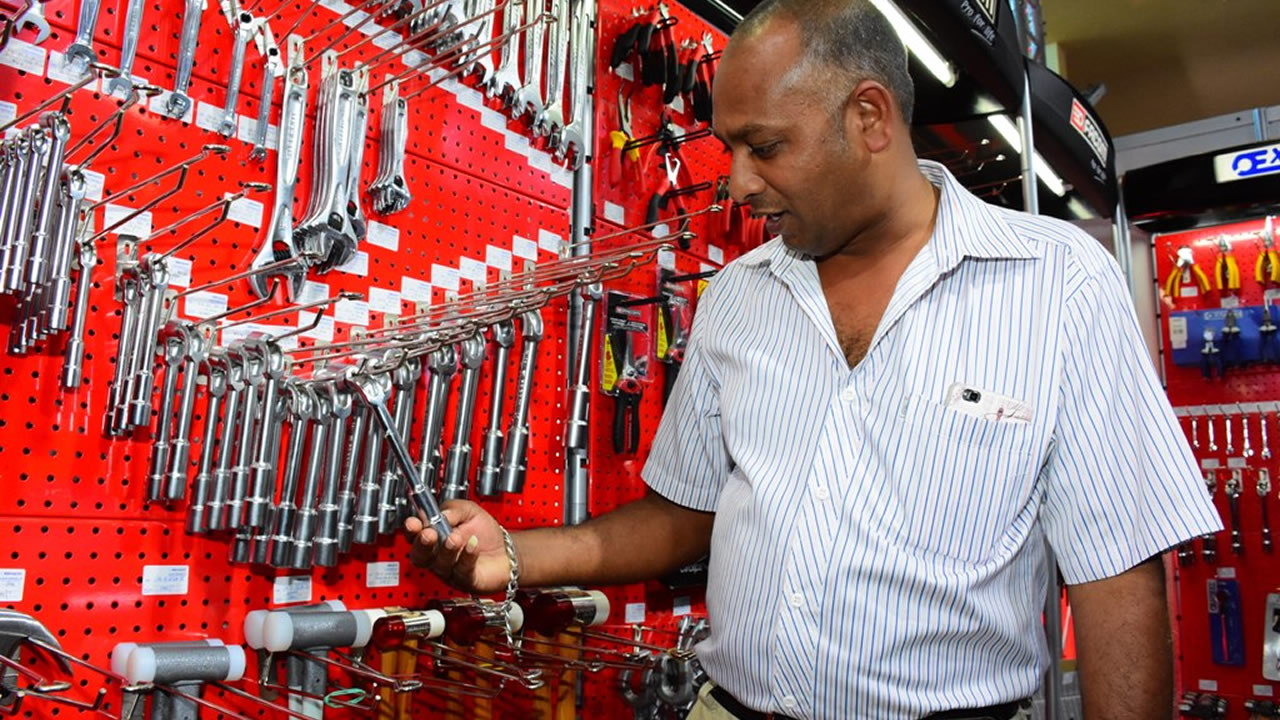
(868, 116)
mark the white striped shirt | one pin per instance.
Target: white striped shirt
(877, 554)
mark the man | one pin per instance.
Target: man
(882, 416)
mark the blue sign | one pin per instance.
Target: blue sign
(1247, 164)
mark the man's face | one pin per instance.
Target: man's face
(794, 159)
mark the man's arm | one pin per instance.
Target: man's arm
(1123, 642)
(639, 541)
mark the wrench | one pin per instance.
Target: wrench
(441, 366)
(302, 412)
(528, 97)
(196, 511)
(197, 347)
(482, 66)
(513, 463)
(272, 71)
(246, 27)
(549, 120)
(236, 388)
(37, 269)
(405, 379)
(304, 523)
(179, 102)
(506, 79)
(293, 119)
(581, 71)
(389, 189)
(254, 377)
(129, 285)
(326, 538)
(365, 522)
(487, 475)
(347, 495)
(458, 465)
(156, 280)
(34, 16)
(71, 194)
(80, 51)
(1264, 490)
(263, 479)
(174, 348)
(374, 391)
(132, 32)
(73, 362)
(1209, 543)
(19, 228)
(16, 154)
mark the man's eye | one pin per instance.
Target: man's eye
(764, 151)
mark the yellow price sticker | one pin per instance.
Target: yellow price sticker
(609, 378)
(662, 336)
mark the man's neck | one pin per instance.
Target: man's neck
(901, 231)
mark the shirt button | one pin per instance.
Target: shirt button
(789, 703)
(849, 395)
(797, 600)
(821, 493)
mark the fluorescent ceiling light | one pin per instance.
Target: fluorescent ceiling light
(1044, 171)
(1080, 210)
(916, 43)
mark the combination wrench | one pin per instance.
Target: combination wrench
(549, 119)
(581, 71)
(488, 474)
(442, 364)
(122, 83)
(504, 81)
(179, 102)
(246, 27)
(80, 51)
(272, 71)
(404, 379)
(528, 97)
(458, 464)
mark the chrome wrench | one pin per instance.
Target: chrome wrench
(490, 470)
(272, 71)
(80, 51)
(504, 81)
(405, 380)
(174, 349)
(123, 82)
(197, 517)
(549, 120)
(179, 102)
(236, 388)
(513, 462)
(73, 361)
(458, 464)
(246, 27)
(581, 71)
(528, 97)
(326, 536)
(197, 351)
(262, 470)
(442, 364)
(37, 269)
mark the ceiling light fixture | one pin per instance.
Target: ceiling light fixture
(1044, 171)
(917, 43)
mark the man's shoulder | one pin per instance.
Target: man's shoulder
(1049, 236)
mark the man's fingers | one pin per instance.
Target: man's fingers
(413, 525)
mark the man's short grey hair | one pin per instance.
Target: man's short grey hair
(848, 35)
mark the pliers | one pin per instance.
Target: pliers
(1185, 269)
(1267, 351)
(1210, 357)
(619, 155)
(1227, 271)
(663, 197)
(705, 73)
(1267, 270)
(629, 389)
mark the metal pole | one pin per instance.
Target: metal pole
(1030, 183)
(577, 481)
(1124, 244)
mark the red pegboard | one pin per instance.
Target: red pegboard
(73, 516)
(1189, 392)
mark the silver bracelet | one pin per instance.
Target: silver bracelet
(513, 584)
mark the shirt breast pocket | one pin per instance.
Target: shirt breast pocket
(962, 487)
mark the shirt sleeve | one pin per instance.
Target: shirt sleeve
(688, 463)
(1121, 483)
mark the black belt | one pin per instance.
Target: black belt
(742, 712)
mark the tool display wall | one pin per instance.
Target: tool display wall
(81, 548)
(1218, 287)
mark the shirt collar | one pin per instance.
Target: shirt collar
(966, 227)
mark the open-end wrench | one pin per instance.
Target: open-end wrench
(293, 119)
(513, 460)
(123, 83)
(73, 361)
(350, 470)
(404, 379)
(262, 470)
(488, 474)
(528, 97)
(506, 79)
(374, 390)
(1234, 486)
(80, 51)
(1209, 543)
(197, 518)
(196, 343)
(71, 194)
(246, 27)
(482, 66)
(582, 46)
(303, 530)
(254, 378)
(156, 270)
(216, 517)
(34, 16)
(442, 364)
(272, 71)
(302, 413)
(174, 348)
(18, 236)
(549, 120)
(179, 102)
(457, 466)
(340, 402)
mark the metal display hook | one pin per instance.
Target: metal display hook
(182, 168)
(102, 71)
(225, 205)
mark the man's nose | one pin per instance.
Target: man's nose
(744, 182)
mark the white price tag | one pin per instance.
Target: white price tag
(240, 332)
(680, 606)
(383, 235)
(524, 248)
(1178, 332)
(384, 301)
(288, 589)
(1227, 572)
(337, 6)
(1263, 690)
(615, 213)
(64, 72)
(24, 56)
(1210, 464)
(159, 102)
(715, 254)
(94, 183)
(8, 111)
(678, 105)
(273, 137)
(245, 128)
(1208, 685)
(516, 143)
(355, 19)
(661, 231)
(550, 241)
(387, 40)
(358, 265)
(351, 312)
(493, 119)
(415, 290)
(313, 291)
(322, 332)
(201, 305)
(12, 583)
(165, 579)
(444, 277)
(495, 256)
(413, 58)
(208, 116)
(562, 177)
(382, 574)
(140, 226)
(541, 161)
(1236, 463)
(667, 259)
(1230, 301)
(469, 97)
(635, 613)
(705, 268)
(473, 270)
(626, 72)
(179, 272)
(246, 210)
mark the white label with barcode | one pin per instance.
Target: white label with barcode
(523, 247)
(383, 235)
(179, 272)
(290, 589)
(23, 56)
(352, 312)
(208, 116)
(322, 332)
(1230, 301)
(12, 583)
(165, 579)
(203, 305)
(384, 301)
(445, 277)
(635, 613)
(1178, 332)
(472, 269)
(667, 259)
(139, 226)
(615, 213)
(496, 257)
(715, 254)
(382, 574)
(358, 265)
(415, 290)
(550, 241)
(64, 72)
(94, 183)
(246, 210)
(1208, 685)
(1210, 464)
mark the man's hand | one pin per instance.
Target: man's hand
(473, 557)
